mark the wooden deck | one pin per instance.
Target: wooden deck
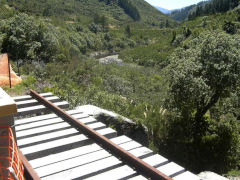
(57, 150)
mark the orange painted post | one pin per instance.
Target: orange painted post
(7, 76)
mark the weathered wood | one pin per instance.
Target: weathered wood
(32, 173)
(28, 97)
(33, 102)
(71, 153)
(19, 122)
(57, 149)
(7, 104)
(39, 109)
(186, 175)
(127, 157)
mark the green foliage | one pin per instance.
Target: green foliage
(129, 9)
(182, 14)
(102, 20)
(83, 11)
(28, 82)
(201, 73)
(128, 31)
(28, 39)
(229, 27)
(212, 7)
(155, 49)
(95, 28)
(191, 119)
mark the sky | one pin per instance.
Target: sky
(172, 4)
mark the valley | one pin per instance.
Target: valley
(179, 79)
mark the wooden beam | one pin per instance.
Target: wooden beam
(31, 172)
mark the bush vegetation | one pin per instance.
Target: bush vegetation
(182, 82)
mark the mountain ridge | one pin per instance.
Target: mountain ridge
(84, 10)
(163, 10)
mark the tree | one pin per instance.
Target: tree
(96, 18)
(130, 9)
(229, 27)
(203, 72)
(167, 24)
(174, 36)
(186, 32)
(104, 23)
(128, 31)
(27, 39)
(213, 6)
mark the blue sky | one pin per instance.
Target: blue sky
(172, 4)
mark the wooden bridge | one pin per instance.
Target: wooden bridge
(56, 145)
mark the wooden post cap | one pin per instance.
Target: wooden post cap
(7, 104)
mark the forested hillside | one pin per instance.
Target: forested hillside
(116, 11)
(182, 14)
(204, 8)
(212, 7)
(180, 80)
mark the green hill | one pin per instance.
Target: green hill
(168, 79)
(84, 10)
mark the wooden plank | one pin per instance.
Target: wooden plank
(28, 167)
(33, 102)
(53, 127)
(171, 169)
(140, 177)
(43, 138)
(71, 153)
(7, 104)
(120, 139)
(39, 109)
(55, 135)
(141, 152)
(125, 172)
(41, 130)
(84, 166)
(47, 130)
(88, 165)
(89, 169)
(116, 173)
(109, 145)
(156, 160)
(45, 117)
(38, 124)
(72, 163)
(62, 144)
(28, 97)
(187, 176)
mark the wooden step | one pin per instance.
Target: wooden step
(39, 109)
(74, 113)
(26, 142)
(122, 172)
(62, 144)
(171, 169)
(186, 175)
(38, 128)
(57, 150)
(33, 102)
(72, 153)
(88, 165)
(28, 97)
